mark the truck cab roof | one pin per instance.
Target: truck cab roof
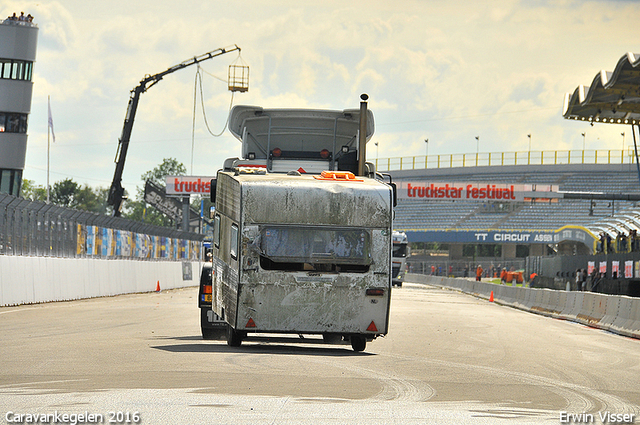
(297, 134)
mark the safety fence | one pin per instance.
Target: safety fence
(479, 159)
(615, 313)
(463, 268)
(31, 228)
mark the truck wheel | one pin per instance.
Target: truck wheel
(330, 338)
(358, 342)
(234, 338)
(208, 333)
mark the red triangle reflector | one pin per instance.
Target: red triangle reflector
(372, 327)
(250, 323)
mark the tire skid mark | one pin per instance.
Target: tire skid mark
(578, 397)
(394, 387)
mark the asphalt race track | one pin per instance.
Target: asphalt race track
(449, 358)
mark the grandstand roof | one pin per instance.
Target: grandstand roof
(612, 97)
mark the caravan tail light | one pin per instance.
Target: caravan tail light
(324, 153)
(276, 152)
(375, 291)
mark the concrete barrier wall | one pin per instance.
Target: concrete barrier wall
(615, 313)
(25, 280)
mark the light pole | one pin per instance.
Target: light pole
(622, 134)
(529, 136)
(376, 143)
(477, 149)
(426, 141)
(584, 136)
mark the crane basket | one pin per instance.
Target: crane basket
(238, 78)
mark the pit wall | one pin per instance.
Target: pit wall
(615, 313)
(27, 280)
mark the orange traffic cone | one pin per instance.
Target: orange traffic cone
(491, 297)
(158, 288)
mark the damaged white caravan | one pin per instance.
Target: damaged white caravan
(302, 239)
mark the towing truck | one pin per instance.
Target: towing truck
(399, 257)
(301, 236)
(211, 325)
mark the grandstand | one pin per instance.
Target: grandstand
(612, 98)
(559, 201)
(537, 222)
(447, 215)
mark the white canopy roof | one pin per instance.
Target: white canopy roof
(612, 97)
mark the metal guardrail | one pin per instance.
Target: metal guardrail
(34, 228)
(596, 156)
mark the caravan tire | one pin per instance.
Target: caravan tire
(358, 342)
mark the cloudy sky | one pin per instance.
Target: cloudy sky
(446, 71)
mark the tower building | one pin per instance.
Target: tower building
(18, 41)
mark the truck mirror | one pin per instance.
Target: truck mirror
(212, 192)
(395, 194)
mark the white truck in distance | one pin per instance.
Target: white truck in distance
(399, 257)
(301, 245)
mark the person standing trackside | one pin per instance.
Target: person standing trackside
(578, 280)
(479, 273)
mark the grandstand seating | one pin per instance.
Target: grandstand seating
(540, 216)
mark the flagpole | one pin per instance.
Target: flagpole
(48, 143)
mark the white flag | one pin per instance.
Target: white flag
(51, 122)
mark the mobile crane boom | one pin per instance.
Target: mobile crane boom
(116, 192)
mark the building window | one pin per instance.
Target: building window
(12, 122)
(16, 69)
(10, 181)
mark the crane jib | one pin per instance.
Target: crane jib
(116, 192)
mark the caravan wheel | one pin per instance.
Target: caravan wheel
(358, 342)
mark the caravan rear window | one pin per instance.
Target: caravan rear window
(316, 245)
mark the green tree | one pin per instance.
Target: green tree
(67, 193)
(93, 200)
(138, 209)
(169, 167)
(33, 192)
(63, 192)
